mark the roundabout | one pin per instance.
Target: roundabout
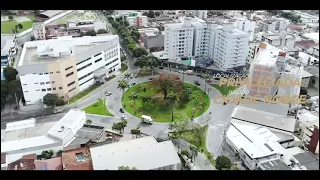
(162, 97)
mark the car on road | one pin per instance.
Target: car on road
(133, 84)
(146, 119)
(121, 110)
(182, 72)
(209, 81)
(216, 78)
(197, 83)
(131, 76)
(108, 93)
(124, 117)
(199, 75)
(160, 67)
(55, 111)
(151, 79)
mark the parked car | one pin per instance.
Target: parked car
(133, 84)
(57, 111)
(131, 76)
(124, 117)
(209, 81)
(108, 93)
(151, 79)
(160, 67)
(197, 83)
(121, 110)
(199, 75)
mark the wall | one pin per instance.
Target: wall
(46, 22)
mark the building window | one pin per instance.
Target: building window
(72, 89)
(42, 83)
(60, 87)
(86, 81)
(26, 91)
(69, 74)
(53, 88)
(68, 68)
(38, 90)
(46, 73)
(24, 84)
(51, 72)
(53, 82)
(97, 55)
(58, 71)
(49, 89)
(85, 76)
(43, 90)
(36, 83)
(83, 61)
(71, 83)
(97, 60)
(48, 82)
(84, 67)
(40, 73)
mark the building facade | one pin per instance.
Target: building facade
(274, 25)
(8, 45)
(231, 47)
(66, 66)
(39, 31)
(153, 40)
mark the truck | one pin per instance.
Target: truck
(146, 119)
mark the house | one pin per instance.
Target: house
(77, 159)
(143, 153)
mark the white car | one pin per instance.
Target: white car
(108, 93)
(124, 117)
(131, 76)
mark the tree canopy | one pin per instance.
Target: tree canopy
(10, 73)
(222, 162)
(167, 82)
(53, 100)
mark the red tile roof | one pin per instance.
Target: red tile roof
(70, 162)
(306, 43)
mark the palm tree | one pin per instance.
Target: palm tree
(88, 122)
(153, 62)
(123, 85)
(173, 97)
(127, 76)
(134, 96)
(205, 77)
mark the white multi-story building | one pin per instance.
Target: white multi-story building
(202, 14)
(231, 47)
(274, 25)
(253, 49)
(178, 40)
(136, 19)
(66, 66)
(246, 25)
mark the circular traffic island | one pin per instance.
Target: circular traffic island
(159, 98)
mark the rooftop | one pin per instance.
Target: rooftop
(308, 160)
(266, 119)
(77, 159)
(178, 26)
(49, 164)
(25, 163)
(143, 153)
(312, 69)
(253, 140)
(67, 123)
(306, 43)
(312, 36)
(275, 165)
(27, 143)
(6, 43)
(54, 50)
(51, 13)
(90, 132)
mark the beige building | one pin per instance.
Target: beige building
(39, 31)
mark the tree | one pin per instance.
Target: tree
(50, 99)
(173, 98)
(123, 58)
(179, 127)
(131, 46)
(222, 162)
(157, 13)
(135, 34)
(187, 93)
(151, 14)
(36, 13)
(127, 76)
(145, 14)
(110, 19)
(10, 73)
(18, 26)
(59, 153)
(145, 98)
(123, 85)
(14, 88)
(4, 93)
(153, 62)
(139, 51)
(88, 122)
(194, 152)
(102, 31)
(47, 154)
(10, 17)
(167, 82)
(205, 77)
(126, 23)
(142, 61)
(126, 168)
(198, 132)
(136, 132)
(91, 33)
(143, 87)
(134, 96)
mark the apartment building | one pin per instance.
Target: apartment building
(178, 40)
(308, 127)
(39, 31)
(202, 14)
(66, 65)
(153, 40)
(230, 48)
(253, 49)
(136, 19)
(282, 39)
(8, 45)
(274, 25)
